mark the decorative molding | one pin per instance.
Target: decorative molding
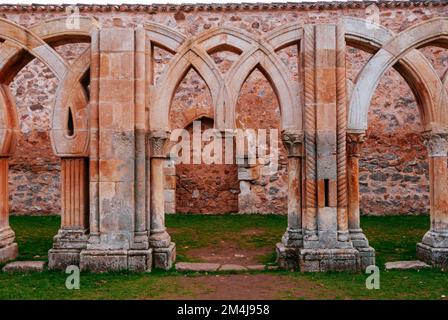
(354, 144)
(293, 141)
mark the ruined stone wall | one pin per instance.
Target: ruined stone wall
(394, 166)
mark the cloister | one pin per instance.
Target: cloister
(110, 127)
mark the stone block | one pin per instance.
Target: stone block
(140, 260)
(406, 265)
(116, 40)
(256, 267)
(25, 266)
(232, 267)
(197, 267)
(164, 258)
(9, 252)
(103, 260)
(287, 257)
(437, 257)
(60, 259)
(322, 260)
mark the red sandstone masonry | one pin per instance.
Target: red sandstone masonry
(393, 164)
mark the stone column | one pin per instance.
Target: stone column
(119, 207)
(434, 246)
(8, 248)
(292, 240)
(354, 143)
(326, 243)
(73, 233)
(159, 239)
(293, 143)
(359, 240)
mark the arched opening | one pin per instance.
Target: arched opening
(264, 183)
(393, 167)
(35, 171)
(206, 188)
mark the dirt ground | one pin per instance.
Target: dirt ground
(230, 252)
(250, 287)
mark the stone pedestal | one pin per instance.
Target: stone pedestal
(321, 260)
(116, 260)
(165, 257)
(287, 256)
(437, 257)
(9, 252)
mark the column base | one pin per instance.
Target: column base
(116, 260)
(287, 257)
(366, 252)
(67, 246)
(437, 257)
(60, 259)
(321, 260)
(366, 257)
(9, 252)
(165, 257)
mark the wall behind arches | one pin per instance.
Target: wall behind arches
(34, 177)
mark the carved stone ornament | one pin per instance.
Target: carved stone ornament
(354, 143)
(293, 140)
(157, 143)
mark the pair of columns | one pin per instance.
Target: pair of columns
(434, 246)
(288, 251)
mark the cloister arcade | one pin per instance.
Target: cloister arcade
(111, 126)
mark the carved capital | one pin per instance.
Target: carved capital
(436, 143)
(293, 140)
(157, 141)
(354, 144)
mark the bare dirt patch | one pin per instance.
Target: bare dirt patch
(229, 252)
(250, 287)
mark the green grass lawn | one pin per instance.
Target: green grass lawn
(394, 238)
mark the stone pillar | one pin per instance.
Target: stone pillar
(326, 242)
(120, 220)
(159, 239)
(73, 233)
(434, 247)
(360, 242)
(8, 248)
(292, 240)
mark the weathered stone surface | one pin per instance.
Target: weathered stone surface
(406, 265)
(131, 113)
(256, 267)
(232, 267)
(25, 266)
(196, 266)
(9, 252)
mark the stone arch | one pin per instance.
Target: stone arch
(285, 36)
(20, 46)
(56, 31)
(72, 98)
(419, 74)
(70, 94)
(164, 37)
(276, 75)
(254, 52)
(194, 58)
